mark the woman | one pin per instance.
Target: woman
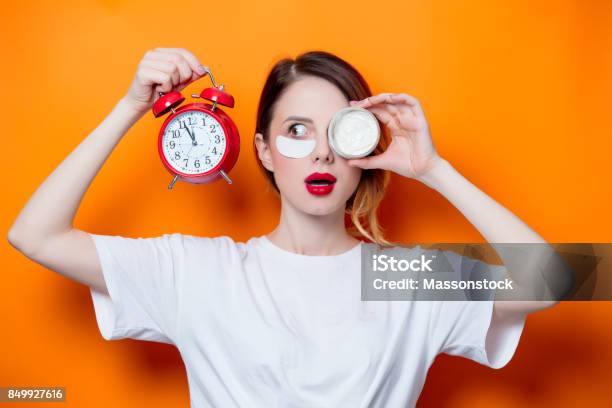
(278, 320)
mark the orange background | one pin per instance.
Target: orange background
(517, 96)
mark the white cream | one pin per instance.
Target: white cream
(294, 148)
(354, 132)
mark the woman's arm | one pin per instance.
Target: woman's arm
(43, 230)
(52, 208)
(412, 154)
(496, 223)
(492, 220)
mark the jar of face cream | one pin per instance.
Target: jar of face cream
(353, 132)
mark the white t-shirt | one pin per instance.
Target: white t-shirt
(260, 326)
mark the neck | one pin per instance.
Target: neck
(309, 234)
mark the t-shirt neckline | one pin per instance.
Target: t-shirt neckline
(272, 246)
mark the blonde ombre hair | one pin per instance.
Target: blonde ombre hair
(362, 207)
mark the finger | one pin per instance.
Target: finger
(184, 69)
(381, 100)
(163, 66)
(375, 99)
(391, 98)
(409, 100)
(388, 114)
(185, 73)
(367, 104)
(180, 56)
(398, 104)
(366, 163)
(399, 100)
(191, 59)
(383, 115)
(149, 76)
(194, 76)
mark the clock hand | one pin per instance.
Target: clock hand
(198, 143)
(193, 141)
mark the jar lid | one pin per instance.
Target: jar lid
(353, 132)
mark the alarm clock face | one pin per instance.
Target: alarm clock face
(193, 142)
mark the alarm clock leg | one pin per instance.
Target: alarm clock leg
(225, 176)
(172, 182)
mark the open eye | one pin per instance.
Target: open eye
(300, 128)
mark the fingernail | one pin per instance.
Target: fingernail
(201, 70)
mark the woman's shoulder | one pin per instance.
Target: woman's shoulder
(223, 244)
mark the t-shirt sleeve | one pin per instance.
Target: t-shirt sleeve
(142, 276)
(468, 328)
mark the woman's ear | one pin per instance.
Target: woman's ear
(263, 152)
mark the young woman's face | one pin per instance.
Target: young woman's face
(300, 119)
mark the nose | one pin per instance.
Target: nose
(322, 151)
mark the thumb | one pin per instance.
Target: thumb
(194, 77)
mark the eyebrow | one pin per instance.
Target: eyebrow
(300, 118)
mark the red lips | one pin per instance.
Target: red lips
(320, 183)
(321, 177)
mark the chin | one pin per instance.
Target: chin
(323, 207)
(319, 210)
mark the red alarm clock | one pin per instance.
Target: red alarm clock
(198, 143)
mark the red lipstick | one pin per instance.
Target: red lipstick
(320, 183)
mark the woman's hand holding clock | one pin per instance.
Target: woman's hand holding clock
(411, 152)
(162, 70)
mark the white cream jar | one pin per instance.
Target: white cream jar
(353, 132)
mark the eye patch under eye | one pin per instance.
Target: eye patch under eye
(295, 149)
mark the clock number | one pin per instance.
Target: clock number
(204, 121)
(190, 124)
(172, 145)
(208, 160)
(213, 129)
(197, 164)
(182, 124)
(177, 155)
(186, 161)
(214, 150)
(217, 138)
(176, 134)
